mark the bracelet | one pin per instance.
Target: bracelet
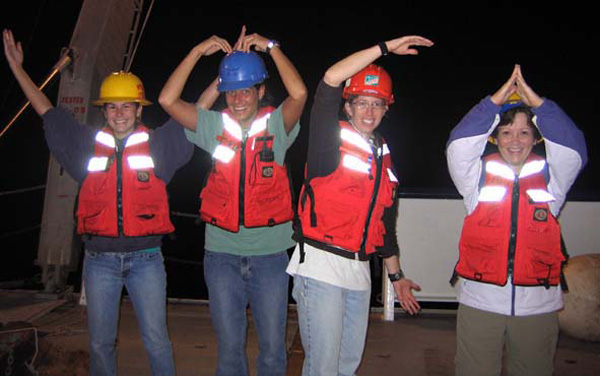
(396, 276)
(383, 48)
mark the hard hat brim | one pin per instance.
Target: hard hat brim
(103, 101)
(237, 85)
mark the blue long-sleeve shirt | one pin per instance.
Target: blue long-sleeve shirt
(566, 154)
(72, 144)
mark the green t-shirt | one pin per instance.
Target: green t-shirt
(247, 241)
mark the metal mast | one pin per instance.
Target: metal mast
(103, 36)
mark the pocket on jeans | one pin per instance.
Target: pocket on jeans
(91, 254)
(153, 255)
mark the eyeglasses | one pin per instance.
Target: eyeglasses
(363, 105)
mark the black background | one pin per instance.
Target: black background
(474, 53)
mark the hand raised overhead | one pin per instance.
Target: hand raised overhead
(404, 45)
(516, 84)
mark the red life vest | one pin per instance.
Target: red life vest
(342, 212)
(512, 231)
(142, 203)
(257, 177)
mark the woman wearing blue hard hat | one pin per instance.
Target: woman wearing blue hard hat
(247, 200)
(508, 274)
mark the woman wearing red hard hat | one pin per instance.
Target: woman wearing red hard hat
(347, 210)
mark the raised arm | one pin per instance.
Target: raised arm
(14, 56)
(293, 105)
(349, 66)
(170, 95)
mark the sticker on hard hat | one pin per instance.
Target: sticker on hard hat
(371, 80)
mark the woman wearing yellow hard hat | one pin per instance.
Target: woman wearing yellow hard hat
(123, 209)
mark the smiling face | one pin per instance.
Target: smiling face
(243, 103)
(365, 113)
(515, 141)
(122, 117)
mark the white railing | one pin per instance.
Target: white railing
(428, 233)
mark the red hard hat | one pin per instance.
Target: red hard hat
(372, 81)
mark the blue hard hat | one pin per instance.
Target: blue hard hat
(513, 101)
(240, 70)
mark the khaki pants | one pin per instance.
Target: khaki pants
(529, 343)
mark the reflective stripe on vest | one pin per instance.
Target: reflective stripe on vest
(496, 193)
(136, 162)
(225, 153)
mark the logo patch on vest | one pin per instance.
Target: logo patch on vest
(143, 176)
(267, 172)
(540, 215)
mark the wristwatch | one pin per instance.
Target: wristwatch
(272, 43)
(396, 276)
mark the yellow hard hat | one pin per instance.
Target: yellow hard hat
(122, 87)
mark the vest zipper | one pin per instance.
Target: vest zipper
(378, 166)
(241, 197)
(512, 244)
(118, 158)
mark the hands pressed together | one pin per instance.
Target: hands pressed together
(516, 84)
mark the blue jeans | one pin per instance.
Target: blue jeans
(333, 326)
(234, 282)
(143, 274)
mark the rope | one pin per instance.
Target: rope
(23, 190)
(63, 62)
(19, 232)
(137, 42)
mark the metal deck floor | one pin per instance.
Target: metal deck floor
(422, 345)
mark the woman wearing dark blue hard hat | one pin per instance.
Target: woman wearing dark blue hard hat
(247, 201)
(508, 274)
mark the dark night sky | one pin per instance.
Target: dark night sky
(474, 53)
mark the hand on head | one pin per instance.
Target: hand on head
(246, 42)
(212, 45)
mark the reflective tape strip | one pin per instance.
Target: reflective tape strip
(385, 149)
(232, 127)
(140, 162)
(393, 177)
(223, 154)
(137, 138)
(105, 139)
(492, 194)
(499, 169)
(540, 195)
(97, 164)
(258, 125)
(354, 163)
(356, 140)
(531, 168)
